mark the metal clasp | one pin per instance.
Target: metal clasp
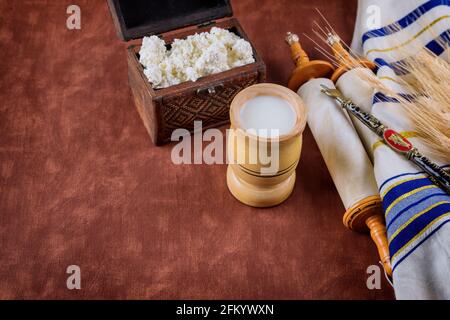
(209, 90)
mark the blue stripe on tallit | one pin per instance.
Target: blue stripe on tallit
(416, 227)
(380, 97)
(397, 67)
(430, 202)
(435, 46)
(403, 188)
(405, 21)
(408, 208)
(397, 262)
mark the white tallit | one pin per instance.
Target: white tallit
(417, 212)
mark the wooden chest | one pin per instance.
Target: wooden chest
(208, 99)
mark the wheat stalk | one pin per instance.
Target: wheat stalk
(429, 82)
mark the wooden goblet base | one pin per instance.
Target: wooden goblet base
(259, 196)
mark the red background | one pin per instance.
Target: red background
(81, 182)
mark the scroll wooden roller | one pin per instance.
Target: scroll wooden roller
(366, 215)
(345, 61)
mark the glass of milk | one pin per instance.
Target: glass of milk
(264, 144)
(268, 116)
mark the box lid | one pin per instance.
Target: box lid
(139, 18)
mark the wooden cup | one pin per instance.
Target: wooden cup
(250, 181)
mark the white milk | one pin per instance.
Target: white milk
(268, 113)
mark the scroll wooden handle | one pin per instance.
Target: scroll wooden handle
(298, 55)
(344, 58)
(342, 55)
(305, 69)
(378, 234)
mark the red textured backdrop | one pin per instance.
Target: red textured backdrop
(81, 183)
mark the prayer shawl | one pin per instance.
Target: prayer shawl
(417, 211)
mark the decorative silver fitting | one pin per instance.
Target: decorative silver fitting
(291, 38)
(333, 39)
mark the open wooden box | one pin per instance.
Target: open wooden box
(208, 99)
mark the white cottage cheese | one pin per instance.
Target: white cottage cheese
(196, 56)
